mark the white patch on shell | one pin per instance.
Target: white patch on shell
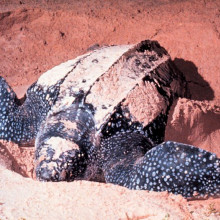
(87, 71)
(116, 84)
(108, 74)
(58, 72)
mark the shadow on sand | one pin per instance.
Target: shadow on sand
(199, 88)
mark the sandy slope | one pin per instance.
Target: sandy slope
(34, 37)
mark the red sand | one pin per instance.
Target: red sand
(34, 37)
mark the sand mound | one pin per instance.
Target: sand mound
(196, 123)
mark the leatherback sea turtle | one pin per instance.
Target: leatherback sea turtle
(102, 116)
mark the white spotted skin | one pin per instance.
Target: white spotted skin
(170, 166)
(20, 123)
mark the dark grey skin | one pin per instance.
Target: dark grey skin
(85, 124)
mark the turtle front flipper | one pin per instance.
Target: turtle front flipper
(20, 123)
(64, 144)
(170, 166)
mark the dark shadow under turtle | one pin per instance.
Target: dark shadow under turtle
(102, 117)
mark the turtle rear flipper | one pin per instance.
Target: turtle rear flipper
(170, 166)
(20, 123)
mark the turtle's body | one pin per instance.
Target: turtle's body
(102, 116)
